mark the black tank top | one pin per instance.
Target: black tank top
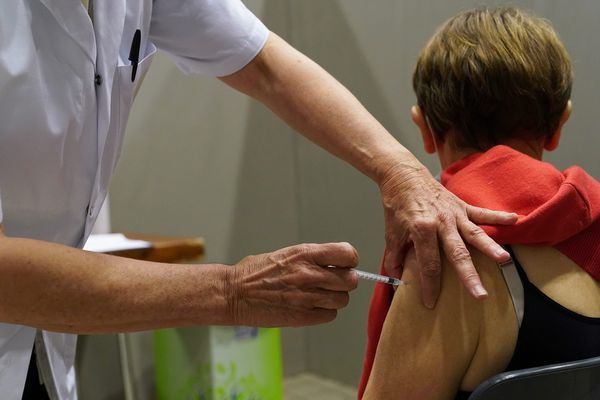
(549, 333)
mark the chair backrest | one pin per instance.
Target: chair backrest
(576, 380)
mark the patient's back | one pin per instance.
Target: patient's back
(560, 279)
(564, 310)
(562, 307)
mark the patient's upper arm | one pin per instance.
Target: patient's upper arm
(427, 354)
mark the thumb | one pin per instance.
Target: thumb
(392, 261)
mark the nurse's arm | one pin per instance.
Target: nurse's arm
(59, 288)
(417, 208)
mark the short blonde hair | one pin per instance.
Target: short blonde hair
(493, 74)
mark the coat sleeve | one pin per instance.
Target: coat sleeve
(212, 37)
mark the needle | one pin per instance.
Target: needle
(379, 278)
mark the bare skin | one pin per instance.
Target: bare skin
(418, 210)
(58, 288)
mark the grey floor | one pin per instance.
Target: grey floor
(307, 386)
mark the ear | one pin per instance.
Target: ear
(553, 141)
(420, 121)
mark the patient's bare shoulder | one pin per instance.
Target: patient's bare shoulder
(430, 354)
(499, 327)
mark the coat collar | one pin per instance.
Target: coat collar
(100, 41)
(109, 20)
(72, 16)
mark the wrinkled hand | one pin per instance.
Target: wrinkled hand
(420, 211)
(292, 286)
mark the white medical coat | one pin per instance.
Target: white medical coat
(65, 96)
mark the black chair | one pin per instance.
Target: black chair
(576, 380)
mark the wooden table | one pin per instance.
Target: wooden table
(164, 248)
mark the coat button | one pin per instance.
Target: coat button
(98, 79)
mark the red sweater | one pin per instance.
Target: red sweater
(560, 209)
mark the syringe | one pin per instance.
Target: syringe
(379, 278)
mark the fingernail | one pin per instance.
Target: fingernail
(500, 252)
(430, 304)
(479, 291)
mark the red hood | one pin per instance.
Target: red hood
(555, 208)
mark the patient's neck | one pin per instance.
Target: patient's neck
(533, 148)
(449, 153)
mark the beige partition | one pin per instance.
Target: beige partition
(372, 48)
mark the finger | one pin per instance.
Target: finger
(397, 245)
(428, 257)
(345, 280)
(333, 278)
(489, 217)
(341, 255)
(477, 237)
(331, 300)
(392, 261)
(309, 298)
(317, 316)
(459, 257)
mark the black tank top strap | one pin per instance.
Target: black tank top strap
(518, 266)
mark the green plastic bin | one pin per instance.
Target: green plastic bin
(218, 363)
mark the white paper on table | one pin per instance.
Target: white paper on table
(106, 242)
